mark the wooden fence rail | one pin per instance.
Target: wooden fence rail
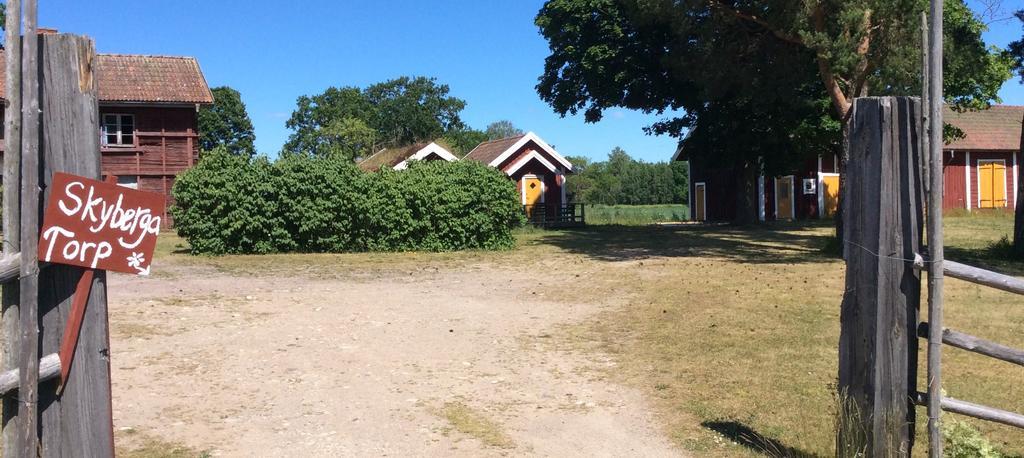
(971, 409)
(976, 344)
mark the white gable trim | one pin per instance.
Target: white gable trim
(533, 155)
(543, 146)
(432, 148)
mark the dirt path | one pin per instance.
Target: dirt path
(456, 363)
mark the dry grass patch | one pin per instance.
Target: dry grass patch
(733, 334)
(130, 443)
(470, 422)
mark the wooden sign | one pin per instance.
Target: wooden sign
(89, 223)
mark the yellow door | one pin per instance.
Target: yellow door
(698, 202)
(830, 185)
(992, 184)
(533, 194)
(784, 198)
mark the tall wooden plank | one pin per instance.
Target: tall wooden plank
(28, 391)
(79, 422)
(883, 207)
(10, 295)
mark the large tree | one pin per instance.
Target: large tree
(502, 129)
(399, 111)
(226, 123)
(761, 61)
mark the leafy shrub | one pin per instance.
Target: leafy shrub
(963, 441)
(228, 204)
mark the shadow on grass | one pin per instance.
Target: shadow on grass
(757, 442)
(769, 244)
(991, 258)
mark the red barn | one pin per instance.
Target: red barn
(980, 171)
(538, 171)
(148, 108)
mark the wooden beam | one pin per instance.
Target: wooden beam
(976, 344)
(28, 394)
(971, 409)
(11, 293)
(49, 368)
(983, 277)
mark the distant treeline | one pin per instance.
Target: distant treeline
(627, 181)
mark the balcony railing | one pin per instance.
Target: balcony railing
(555, 215)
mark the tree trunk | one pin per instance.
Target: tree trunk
(844, 157)
(1018, 219)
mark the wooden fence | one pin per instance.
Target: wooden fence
(884, 207)
(51, 125)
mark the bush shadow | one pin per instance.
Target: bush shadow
(769, 244)
(755, 441)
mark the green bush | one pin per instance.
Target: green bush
(963, 441)
(228, 204)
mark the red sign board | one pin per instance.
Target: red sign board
(99, 225)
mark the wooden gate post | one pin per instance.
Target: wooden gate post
(882, 234)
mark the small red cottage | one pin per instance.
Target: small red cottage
(991, 148)
(538, 171)
(148, 108)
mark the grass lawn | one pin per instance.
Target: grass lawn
(634, 215)
(731, 333)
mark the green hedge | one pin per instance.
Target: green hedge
(231, 204)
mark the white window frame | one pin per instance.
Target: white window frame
(134, 185)
(104, 133)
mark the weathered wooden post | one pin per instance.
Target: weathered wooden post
(12, 214)
(79, 420)
(883, 230)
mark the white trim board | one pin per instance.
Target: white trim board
(525, 159)
(426, 151)
(523, 141)
(967, 179)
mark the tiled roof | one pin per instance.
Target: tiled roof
(147, 79)
(389, 157)
(490, 150)
(995, 129)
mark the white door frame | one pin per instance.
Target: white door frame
(821, 192)
(704, 200)
(792, 198)
(522, 185)
(1006, 201)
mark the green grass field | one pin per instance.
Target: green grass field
(636, 215)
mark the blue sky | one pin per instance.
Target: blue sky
(488, 51)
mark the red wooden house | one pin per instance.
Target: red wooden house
(148, 108)
(980, 171)
(539, 173)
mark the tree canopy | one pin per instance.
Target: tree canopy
(502, 129)
(398, 112)
(1016, 50)
(226, 123)
(731, 64)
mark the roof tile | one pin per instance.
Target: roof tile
(995, 129)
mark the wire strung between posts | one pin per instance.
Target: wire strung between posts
(918, 259)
